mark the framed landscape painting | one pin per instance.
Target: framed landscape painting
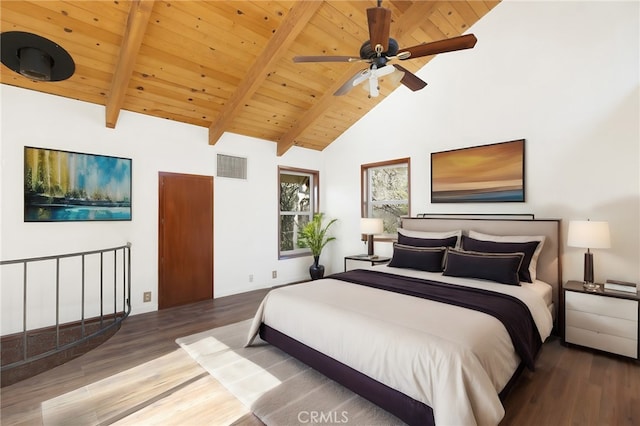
(481, 174)
(62, 186)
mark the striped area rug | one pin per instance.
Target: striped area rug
(277, 388)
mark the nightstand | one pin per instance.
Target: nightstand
(374, 260)
(600, 319)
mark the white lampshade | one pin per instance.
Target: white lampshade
(588, 234)
(371, 226)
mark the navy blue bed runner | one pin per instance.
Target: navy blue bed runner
(511, 311)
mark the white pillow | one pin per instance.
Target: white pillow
(432, 234)
(515, 239)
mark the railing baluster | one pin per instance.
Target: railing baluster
(58, 303)
(24, 312)
(115, 284)
(124, 278)
(129, 276)
(82, 330)
(101, 289)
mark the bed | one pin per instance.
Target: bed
(430, 345)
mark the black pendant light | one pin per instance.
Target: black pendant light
(35, 57)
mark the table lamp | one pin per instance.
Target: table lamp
(588, 234)
(370, 227)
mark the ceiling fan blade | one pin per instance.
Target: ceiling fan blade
(379, 20)
(346, 87)
(441, 46)
(410, 80)
(325, 59)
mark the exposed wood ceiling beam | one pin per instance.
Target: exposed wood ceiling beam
(410, 20)
(327, 99)
(285, 35)
(139, 14)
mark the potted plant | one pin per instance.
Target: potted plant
(314, 236)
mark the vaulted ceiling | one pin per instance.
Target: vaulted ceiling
(228, 65)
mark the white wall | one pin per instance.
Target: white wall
(246, 212)
(562, 75)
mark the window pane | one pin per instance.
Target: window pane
(286, 232)
(389, 183)
(301, 222)
(289, 225)
(295, 193)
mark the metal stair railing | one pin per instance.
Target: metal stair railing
(106, 321)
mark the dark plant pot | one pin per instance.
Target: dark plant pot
(316, 271)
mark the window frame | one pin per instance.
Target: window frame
(314, 199)
(365, 190)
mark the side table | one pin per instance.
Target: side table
(601, 319)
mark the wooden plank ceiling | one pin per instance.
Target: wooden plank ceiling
(227, 65)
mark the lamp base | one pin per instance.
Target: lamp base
(590, 286)
(588, 267)
(588, 283)
(370, 245)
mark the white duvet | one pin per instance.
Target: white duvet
(453, 359)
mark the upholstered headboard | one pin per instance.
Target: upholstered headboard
(549, 269)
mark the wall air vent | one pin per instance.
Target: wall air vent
(231, 167)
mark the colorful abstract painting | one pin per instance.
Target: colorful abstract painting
(486, 173)
(69, 186)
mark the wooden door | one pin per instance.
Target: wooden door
(185, 239)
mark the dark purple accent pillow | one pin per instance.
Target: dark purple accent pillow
(421, 258)
(528, 248)
(427, 242)
(498, 267)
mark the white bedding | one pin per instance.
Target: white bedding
(453, 359)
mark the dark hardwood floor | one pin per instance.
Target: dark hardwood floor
(141, 376)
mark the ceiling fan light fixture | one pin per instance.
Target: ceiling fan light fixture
(35, 57)
(373, 86)
(385, 70)
(362, 77)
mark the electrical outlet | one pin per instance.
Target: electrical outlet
(274, 274)
(146, 297)
(250, 278)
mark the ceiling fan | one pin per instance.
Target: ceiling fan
(381, 49)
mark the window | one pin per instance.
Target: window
(386, 192)
(298, 195)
